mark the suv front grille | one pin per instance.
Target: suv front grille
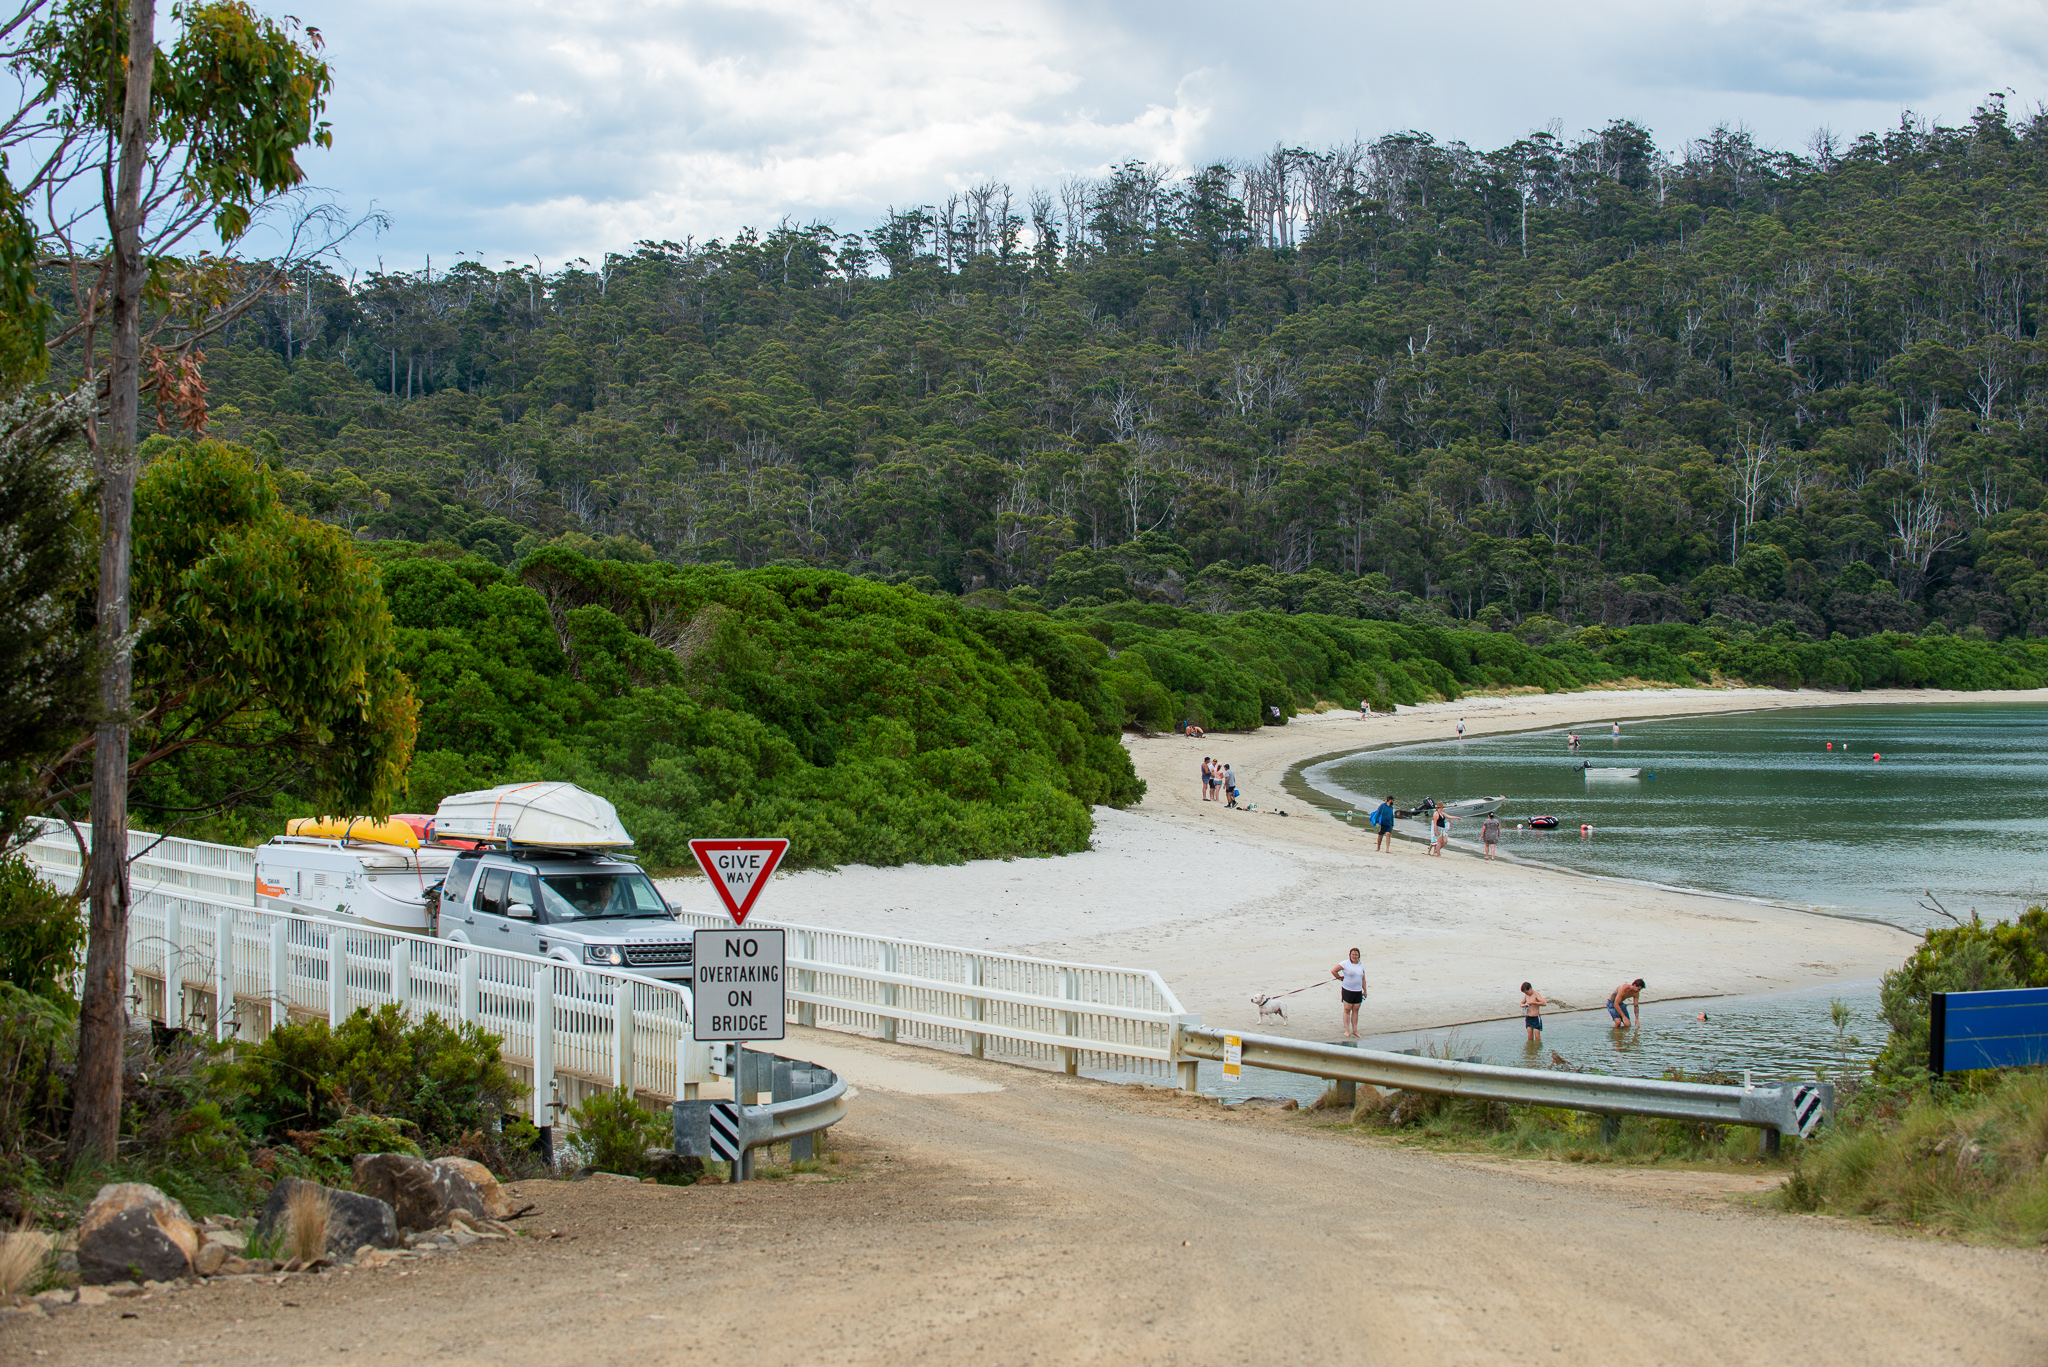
(658, 952)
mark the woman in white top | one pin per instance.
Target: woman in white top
(1350, 976)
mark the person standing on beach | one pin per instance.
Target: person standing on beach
(1383, 818)
(1461, 728)
(1208, 778)
(1618, 1000)
(1442, 826)
(1533, 1003)
(1350, 976)
(1489, 831)
(1229, 786)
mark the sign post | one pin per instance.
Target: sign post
(738, 989)
(1233, 1056)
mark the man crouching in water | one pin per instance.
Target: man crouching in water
(1618, 1000)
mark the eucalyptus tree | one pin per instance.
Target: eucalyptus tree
(174, 144)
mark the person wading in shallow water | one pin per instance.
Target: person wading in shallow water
(1489, 831)
(1350, 976)
(1383, 818)
(1533, 1003)
(1618, 1000)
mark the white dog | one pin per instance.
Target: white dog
(1269, 1006)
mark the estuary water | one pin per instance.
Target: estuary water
(1757, 804)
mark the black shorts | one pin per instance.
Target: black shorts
(1533, 1022)
(1350, 998)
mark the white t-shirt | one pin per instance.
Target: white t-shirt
(1353, 979)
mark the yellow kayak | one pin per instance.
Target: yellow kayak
(364, 828)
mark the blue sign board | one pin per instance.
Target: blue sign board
(2006, 1029)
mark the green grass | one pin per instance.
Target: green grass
(1969, 1160)
(1464, 1124)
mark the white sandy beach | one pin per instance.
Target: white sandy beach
(1226, 903)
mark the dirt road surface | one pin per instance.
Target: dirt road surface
(996, 1215)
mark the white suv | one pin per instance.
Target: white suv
(580, 909)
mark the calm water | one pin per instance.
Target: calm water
(1779, 1035)
(1756, 805)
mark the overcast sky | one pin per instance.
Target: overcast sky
(517, 128)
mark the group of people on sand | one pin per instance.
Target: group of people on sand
(1624, 1003)
(1219, 784)
(1382, 822)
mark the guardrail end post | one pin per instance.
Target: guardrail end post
(1190, 1070)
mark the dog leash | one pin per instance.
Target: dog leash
(1276, 996)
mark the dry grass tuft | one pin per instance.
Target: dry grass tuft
(22, 1255)
(306, 1214)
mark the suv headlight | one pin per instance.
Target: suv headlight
(604, 954)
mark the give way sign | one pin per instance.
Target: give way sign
(739, 869)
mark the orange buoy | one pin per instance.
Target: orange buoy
(1877, 759)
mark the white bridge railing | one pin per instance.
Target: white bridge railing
(231, 970)
(1002, 1006)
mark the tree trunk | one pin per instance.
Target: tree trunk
(103, 1011)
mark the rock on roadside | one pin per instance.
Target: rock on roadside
(133, 1232)
(422, 1194)
(353, 1219)
(497, 1205)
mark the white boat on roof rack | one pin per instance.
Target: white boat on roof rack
(558, 816)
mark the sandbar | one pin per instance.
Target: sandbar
(1227, 904)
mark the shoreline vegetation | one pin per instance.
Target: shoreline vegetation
(886, 724)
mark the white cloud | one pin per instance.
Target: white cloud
(515, 128)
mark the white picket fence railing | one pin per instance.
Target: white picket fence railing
(231, 970)
(1009, 1007)
(1004, 1006)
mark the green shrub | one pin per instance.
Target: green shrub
(41, 933)
(614, 1132)
(35, 1035)
(1974, 957)
(444, 1081)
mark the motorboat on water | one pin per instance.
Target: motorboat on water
(1464, 807)
(381, 873)
(1592, 772)
(1542, 823)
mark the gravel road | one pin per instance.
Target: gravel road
(1052, 1220)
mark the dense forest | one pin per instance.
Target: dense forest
(1578, 379)
(1383, 422)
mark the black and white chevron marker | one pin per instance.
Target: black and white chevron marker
(1808, 1109)
(725, 1130)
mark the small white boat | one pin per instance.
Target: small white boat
(557, 816)
(1474, 806)
(1591, 772)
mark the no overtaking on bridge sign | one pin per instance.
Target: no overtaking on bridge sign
(739, 993)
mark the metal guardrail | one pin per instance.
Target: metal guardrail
(1791, 1108)
(229, 969)
(1002, 1006)
(805, 1100)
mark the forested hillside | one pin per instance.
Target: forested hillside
(1582, 379)
(877, 539)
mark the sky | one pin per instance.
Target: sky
(517, 129)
